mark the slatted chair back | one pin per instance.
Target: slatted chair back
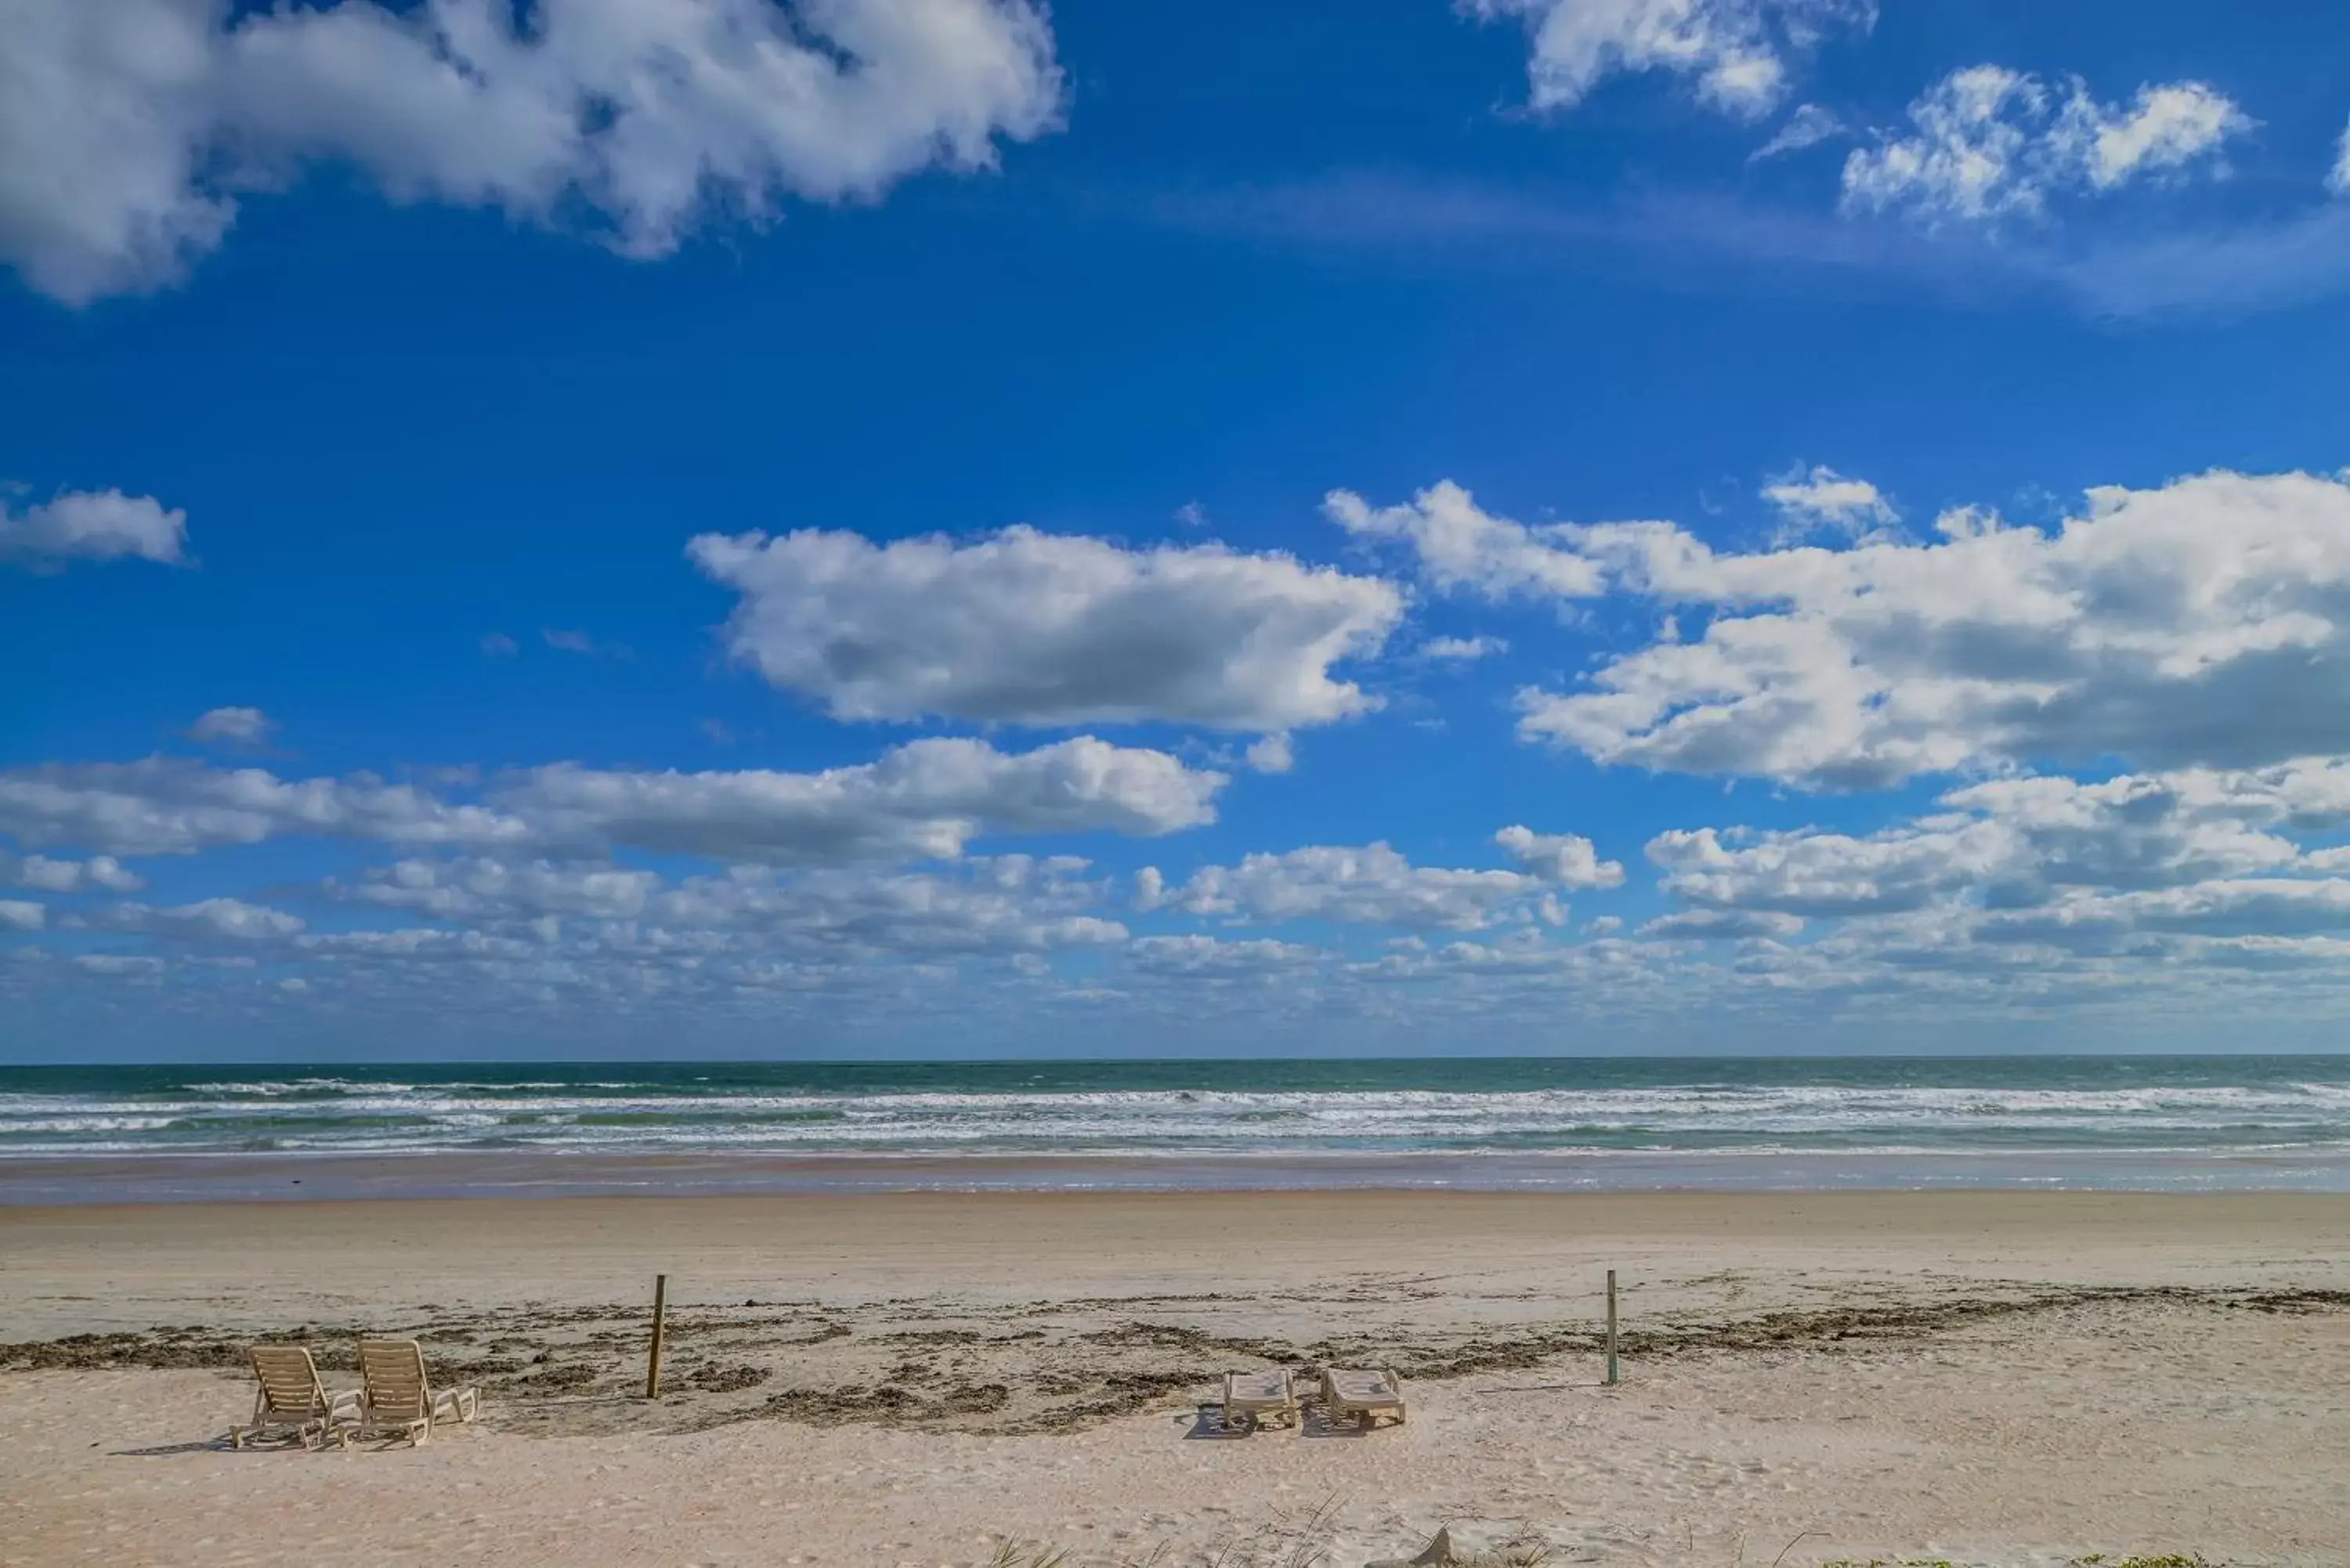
(393, 1371)
(290, 1388)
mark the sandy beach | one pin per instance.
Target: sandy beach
(927, 1379)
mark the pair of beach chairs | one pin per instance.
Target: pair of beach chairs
(1368, 1396)
(395, 1398)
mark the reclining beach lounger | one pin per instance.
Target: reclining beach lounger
(1365, 1395)
(1254, 1397)
(397, 1400)
(291, 1399)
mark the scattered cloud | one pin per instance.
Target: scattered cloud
(2023, 843)
(209, 919)
(1738, 52)
(1810, 125)
(587, 646)
(119, 966)
(1461, 650)
(926, 798)
(22, 915)
(1191, 514)
(166, 806)
(235, 727)
(1272, 754)
(1012, 904)
(1458, 546)
(498, 645)
(1004, 904)
(88, 524)
(138, 124)
(1568, 859)
(485, 888)
(1720, 925)
(1372, 885)
(1824, 499)
(2193, 624)
(2166, 129)
(1026, 627)
(51, 875)
(1217, 958)
(1988, 144)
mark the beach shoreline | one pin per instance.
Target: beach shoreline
(499, 1175)
(920, 1377)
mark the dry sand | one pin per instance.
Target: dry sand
(920, 1378)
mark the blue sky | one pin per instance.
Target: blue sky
(695, 526)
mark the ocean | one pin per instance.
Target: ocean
(2155, 1122)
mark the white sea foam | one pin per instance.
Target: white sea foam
(323, 1112)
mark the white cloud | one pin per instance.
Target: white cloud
(119, 966)
(1721, 925)
(1968, 157)
(75, 876)
(1002, 905)
(925, 798)
(2185, 870)
(1989, 142)
(1810, 125)
(228, 919)
(2166, 129)
(1824, 499)
(2337, 178)
(1568, 859)
(498, 645)
(22, 915)
(1461, 650)
(1371, 885)
(1458, 546)
(1214, 958)
(1026, 627)
(1832, 874)
(1272, 754)
(2195, 624)
(87, 525)
(483, 889)
(165, 806)
(231, 727)
(2269, 908)
(1739, 51)
(136, 122)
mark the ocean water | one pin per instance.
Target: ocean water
(2168, 1121)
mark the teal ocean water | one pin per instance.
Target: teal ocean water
(2076, 1121)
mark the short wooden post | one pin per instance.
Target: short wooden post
(1610, 1329)
(661, 1316)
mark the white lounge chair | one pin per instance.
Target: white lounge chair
(290, 1399)
(398, 1400)
(1252, 1398)
(1368, 1396)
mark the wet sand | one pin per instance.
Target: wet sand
(919, 1378)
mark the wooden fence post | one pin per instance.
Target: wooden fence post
(1610, 1329)
(661, 1314)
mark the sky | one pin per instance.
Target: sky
(947, 527)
